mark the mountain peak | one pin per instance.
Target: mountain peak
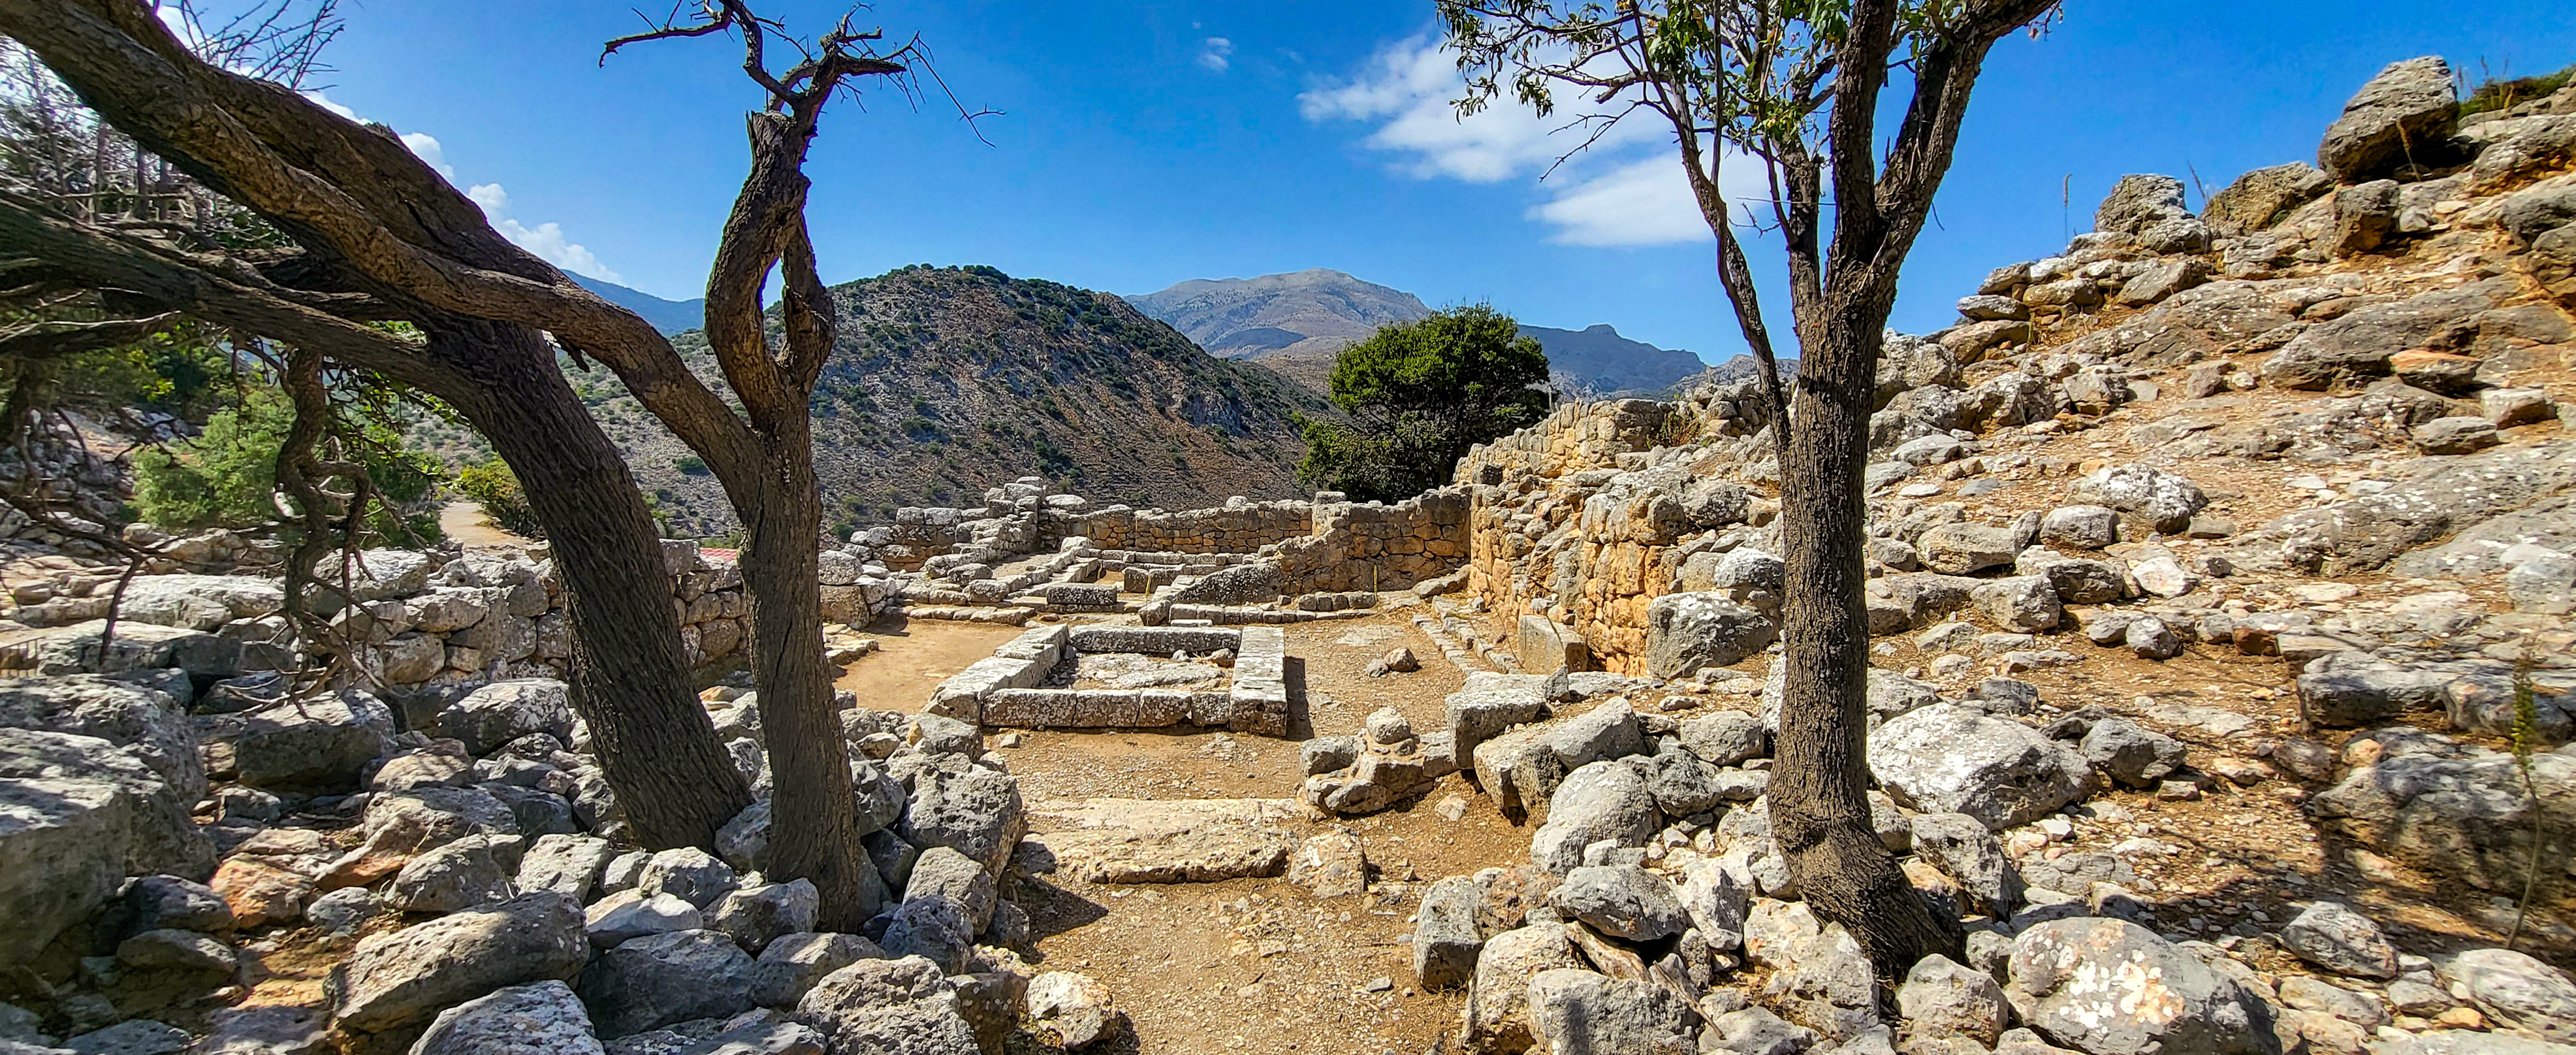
(1297, 321)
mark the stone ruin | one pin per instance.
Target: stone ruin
(1013, 687)
(1027, 551)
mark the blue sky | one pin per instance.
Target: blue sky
(1144, 143)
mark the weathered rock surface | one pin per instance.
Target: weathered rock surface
(404, 976)
(1952, 759)
(2110, 987)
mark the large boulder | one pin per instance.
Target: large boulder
(504, 711)
(1820, 978)
(2461, 813)
(1961, 847)
(2404, 114)
(1604, 800)
(2516, 990)
(2111, 987)
(1948, 758)
(1962, 549)
(544, 1016)
(319, 743)
(1490, 703)
(1941, 998)
(2163, 500)
(200, 602)
(2260, 198)
(397, 978)
(1623, 901)
(1498, 1011)
(117, 710)
(2341, 940)
(2139, 202)
(2358, 346)
(665, 978)
(2132, 754)
(2475, 496)
(1445, 938)
(977, 813)
(792, 963)
(1688, 631)
(896, 1007)
(77, 815)
(1577, 1012)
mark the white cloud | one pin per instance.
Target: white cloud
(1627, 189)
(324, 101)
(426, 147)
(1644, 202)
(547, 239)
(1217, 54)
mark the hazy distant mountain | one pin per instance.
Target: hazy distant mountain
(1296, 323)
(1293, 323)
(668, 316)
(1597, 361)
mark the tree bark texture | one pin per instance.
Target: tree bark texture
(814, 830)
(1820, 781)
(674, 781)
(1841, 294)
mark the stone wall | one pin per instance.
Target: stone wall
(1375, 547)
(425, 624)
(1002, 689)
(1239, 526)
(1591, 516)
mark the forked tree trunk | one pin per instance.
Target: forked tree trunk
(814, 829)
(1819, 786)
(673, 779)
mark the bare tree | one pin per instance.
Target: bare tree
(379, 236)
(765, 456)
(1795, 87)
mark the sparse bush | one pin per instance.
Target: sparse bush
(2505, 94)
(690, 465)
(493, 486)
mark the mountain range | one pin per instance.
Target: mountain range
(1295, 323)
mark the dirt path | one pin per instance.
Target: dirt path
(466, 523)
(1250, 964)
(914, 656)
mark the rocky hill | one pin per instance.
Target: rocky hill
(948, 381)
(1295, 323)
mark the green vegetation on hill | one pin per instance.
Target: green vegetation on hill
(227, 475)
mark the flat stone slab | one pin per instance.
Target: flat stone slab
(1154, 640)
(1170, 840)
